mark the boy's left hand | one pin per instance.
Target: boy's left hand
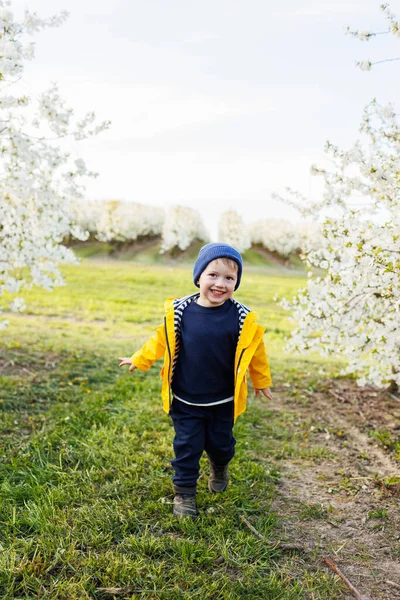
(265, 392)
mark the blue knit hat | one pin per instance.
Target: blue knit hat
(213, 251)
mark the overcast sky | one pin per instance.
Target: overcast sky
(214, 104)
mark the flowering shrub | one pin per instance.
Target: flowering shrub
(37, 178)
(126, 221)
(353, 310)
(87, 215)
(284, 237)
(118, 221)
(232, 230)
(182, 226)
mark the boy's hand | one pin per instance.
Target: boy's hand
(265, 392)
(127, 361)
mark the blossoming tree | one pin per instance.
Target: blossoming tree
(182, 226)
(232, 230)
(118, 221)
(352, 310)
(284, 237)
(38, 178)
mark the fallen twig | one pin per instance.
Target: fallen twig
(9, 363)
(393, 583)
(332, 523)
(376, 389)
(392, 396)
(327, 561)
(121, 590)
(27, 371)
(355, 412)
(115, 590)
(337, 396)
(281, 545)
(351, 587)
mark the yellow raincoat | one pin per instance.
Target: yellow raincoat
(250, 355)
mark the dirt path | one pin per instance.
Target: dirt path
(346, 505)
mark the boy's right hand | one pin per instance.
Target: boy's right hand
(127, 361)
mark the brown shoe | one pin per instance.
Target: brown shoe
(219, 478)
(185, 506)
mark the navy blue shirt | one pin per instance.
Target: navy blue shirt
(204, 372)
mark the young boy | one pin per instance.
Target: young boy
(208, 341)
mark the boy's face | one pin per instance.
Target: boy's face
(217, 282)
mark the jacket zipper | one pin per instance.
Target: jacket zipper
(240, 358)
(170, 360)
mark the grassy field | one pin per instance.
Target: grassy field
(85, 475)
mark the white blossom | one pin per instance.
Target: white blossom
(181, 227)
(365, 65)
(18, 305)
(38, 180)
(363, 36)
(126, 221)
(395, 29)
(284, 237)
(352, 310)
(232, 230)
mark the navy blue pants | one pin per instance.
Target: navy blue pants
(199, 429)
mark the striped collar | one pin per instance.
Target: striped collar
(180, 304)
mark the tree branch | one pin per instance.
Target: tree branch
(281, 545)
(351, 587)
(378, 62)
(325, 560)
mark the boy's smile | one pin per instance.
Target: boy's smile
(217, 283)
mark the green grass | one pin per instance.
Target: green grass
(85, 475)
